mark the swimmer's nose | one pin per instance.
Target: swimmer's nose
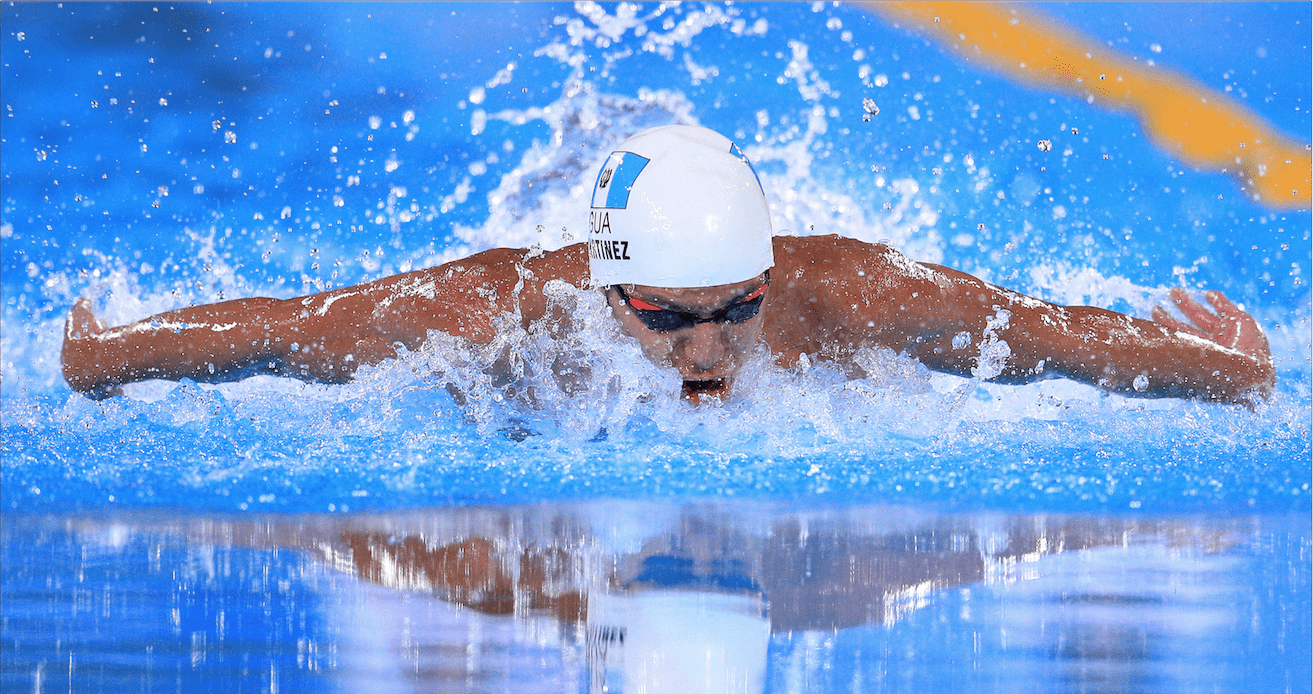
(706, 345)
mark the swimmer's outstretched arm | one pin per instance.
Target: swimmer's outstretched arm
(940, 316)
(1222, 357)
(473, 573)
(323, 337)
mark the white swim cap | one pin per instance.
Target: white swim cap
(678, 206)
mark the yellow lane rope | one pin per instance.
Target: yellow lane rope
(1196, 124)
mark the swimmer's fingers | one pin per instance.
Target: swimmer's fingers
(1183, 301)
(1223, 305)
(1229, 327)
(1237, 328)
(1228, 311)
(1205, 320)
(1160, 315)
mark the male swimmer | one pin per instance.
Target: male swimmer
(680, 241)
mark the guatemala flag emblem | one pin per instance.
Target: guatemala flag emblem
(616, 179)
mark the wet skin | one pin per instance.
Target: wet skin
(829, 297)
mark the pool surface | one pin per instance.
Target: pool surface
(904, 531)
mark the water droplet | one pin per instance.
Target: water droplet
(163, 101)
(980, 226)
(230, 137)
(1075, 131)
(95, 104)
(41, 155)
(22, 36)
(1044, 145)
(869, 105)
(961, 340)
(216, 125)
(1141, 383)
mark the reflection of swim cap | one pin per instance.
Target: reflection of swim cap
(678, 206)
(677, 642)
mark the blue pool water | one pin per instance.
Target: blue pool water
(158, 156)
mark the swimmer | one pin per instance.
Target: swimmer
(680, 242)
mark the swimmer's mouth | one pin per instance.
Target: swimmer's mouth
(696, 390)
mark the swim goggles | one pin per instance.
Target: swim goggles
(665, 320)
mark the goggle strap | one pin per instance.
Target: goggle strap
(760, 291)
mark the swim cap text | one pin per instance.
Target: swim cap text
(602, 249)
(599, 223)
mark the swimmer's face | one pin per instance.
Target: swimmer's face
(700, 351)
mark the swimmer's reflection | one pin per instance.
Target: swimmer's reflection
(675, 626)
(692, 610)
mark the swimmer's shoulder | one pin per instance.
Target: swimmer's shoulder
(569, 264)
(813, 261)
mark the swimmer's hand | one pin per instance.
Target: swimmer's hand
(77, 358)
(1230, 327)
